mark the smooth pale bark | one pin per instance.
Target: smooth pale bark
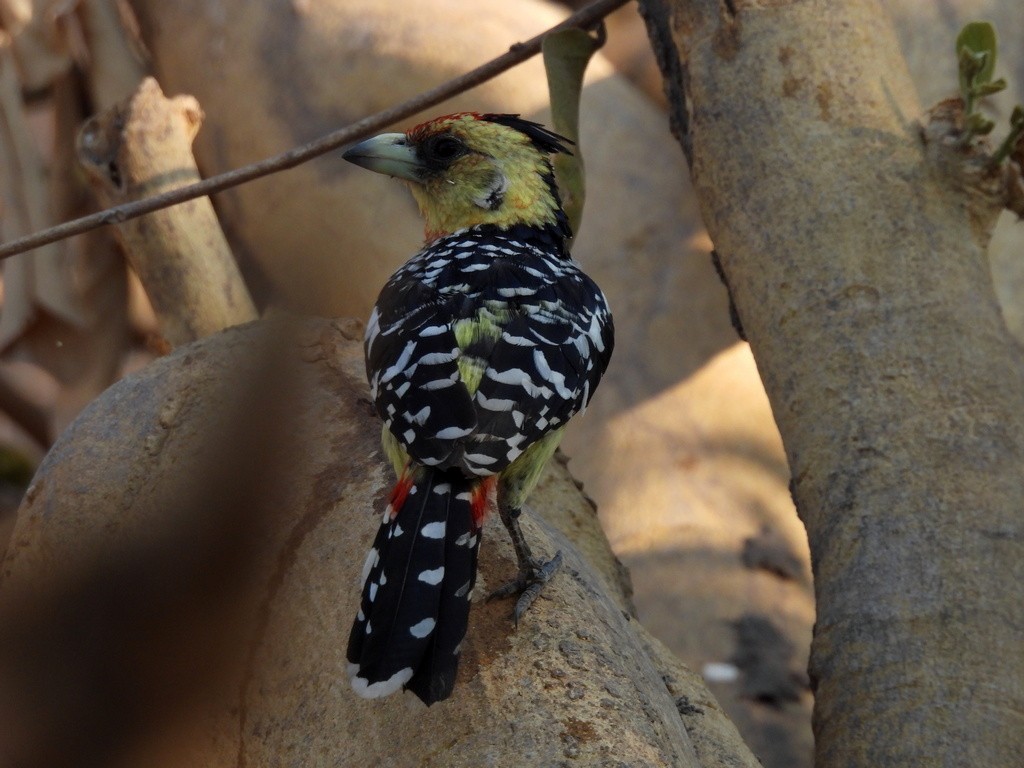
(856, 260)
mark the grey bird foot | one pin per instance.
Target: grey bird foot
(528, 584)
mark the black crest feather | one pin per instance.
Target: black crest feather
(543, 139)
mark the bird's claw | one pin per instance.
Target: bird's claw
(528, 584)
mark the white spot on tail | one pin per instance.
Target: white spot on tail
(371, 560)
(433, 530)
(432, 577)
(373, 591)
(423, 628)
(375, 690)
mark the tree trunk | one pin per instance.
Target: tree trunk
(858, 268)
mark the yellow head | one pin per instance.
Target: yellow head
(468, 169)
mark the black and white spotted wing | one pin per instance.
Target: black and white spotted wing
(545, 342)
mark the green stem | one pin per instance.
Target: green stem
(1008, 144)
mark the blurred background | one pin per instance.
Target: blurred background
(679, 450)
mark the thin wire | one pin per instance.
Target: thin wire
(585, 18)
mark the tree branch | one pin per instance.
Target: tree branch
(517, 53)
(180, 255)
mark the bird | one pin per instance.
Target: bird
(479, 350)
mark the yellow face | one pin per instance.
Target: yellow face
(465, 170)
(494, 175)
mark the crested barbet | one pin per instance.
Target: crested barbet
(478, 352)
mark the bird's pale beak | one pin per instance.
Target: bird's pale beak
(389, 153)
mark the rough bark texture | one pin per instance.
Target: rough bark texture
(578, 680)
(895, 385)
(140, 148)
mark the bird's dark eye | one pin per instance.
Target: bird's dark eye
(447, 147)
(440, 151)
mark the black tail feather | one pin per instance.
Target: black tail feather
(435, 678)
(413, 615)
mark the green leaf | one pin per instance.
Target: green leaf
(987, 89)
(979, 125)
(566, 55)
(1015, 137)
(978, 39)
(1017, 117)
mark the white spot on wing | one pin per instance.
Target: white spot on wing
(555, 377)
(480, 458)
(441, 383)
(436, 358)
(510, 292)
(518, 377)
(400, 364)
(594, 332)
(452, 433)
(495, 404)
(518, 341)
